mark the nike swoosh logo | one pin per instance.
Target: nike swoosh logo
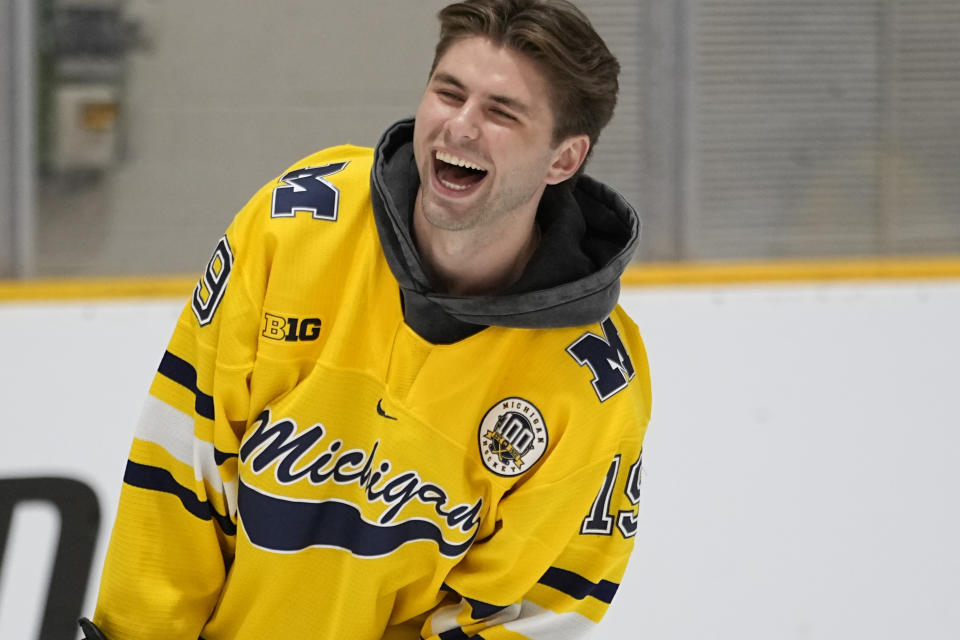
(382, 412)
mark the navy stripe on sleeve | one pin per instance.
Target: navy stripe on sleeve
(478, 608)
(481, 610)
(454, 634)
(576, 586)
(220, 457)
(183, 373)
(157, 479)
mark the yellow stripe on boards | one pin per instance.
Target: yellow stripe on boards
(637, 275)
(712, 273)
(97, 288)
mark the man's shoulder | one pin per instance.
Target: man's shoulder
(592, 363)
(320, 186)
(589, 384)
(322, 199)
(344, 167)
(351, 156)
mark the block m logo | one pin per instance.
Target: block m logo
(606, 357)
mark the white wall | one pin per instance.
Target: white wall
(801, 467)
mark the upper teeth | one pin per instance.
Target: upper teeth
(443, 156)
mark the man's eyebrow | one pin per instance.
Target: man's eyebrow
(507, 101)
(446, 78)
(511, 103)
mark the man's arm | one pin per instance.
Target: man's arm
(564, 535)
(173, 539)
(564, 590)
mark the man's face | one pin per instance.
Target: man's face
(483, 138)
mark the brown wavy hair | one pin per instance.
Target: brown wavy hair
(558, 37)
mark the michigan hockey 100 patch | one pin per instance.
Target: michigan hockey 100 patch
(512, 437)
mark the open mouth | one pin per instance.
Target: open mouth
(455, 173)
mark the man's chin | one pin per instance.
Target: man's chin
(443, 215)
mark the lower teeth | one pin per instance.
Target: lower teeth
(455, 187)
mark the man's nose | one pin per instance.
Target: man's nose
(463, 124)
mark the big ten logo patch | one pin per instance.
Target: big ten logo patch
(290, 329)
(512, 437)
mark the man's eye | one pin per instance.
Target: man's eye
(449, 95)
(504, 114)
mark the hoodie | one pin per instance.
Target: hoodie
(588, 236)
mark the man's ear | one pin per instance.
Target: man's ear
(568, 158)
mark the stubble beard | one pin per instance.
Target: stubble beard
(484, 212)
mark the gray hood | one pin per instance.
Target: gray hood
(588, 236)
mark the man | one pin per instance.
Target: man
(402, 402)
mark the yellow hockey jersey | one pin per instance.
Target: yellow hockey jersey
(308, 466)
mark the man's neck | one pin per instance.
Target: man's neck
(474, 261)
